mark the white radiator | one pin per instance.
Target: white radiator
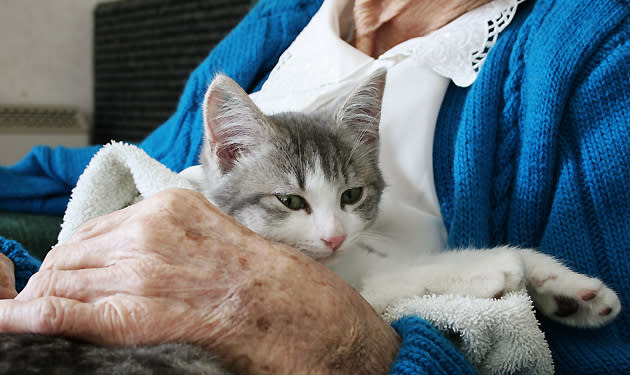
(22, 127)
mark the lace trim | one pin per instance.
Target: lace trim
(495, 26)
(459, 49)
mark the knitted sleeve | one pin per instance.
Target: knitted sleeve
(425, 350)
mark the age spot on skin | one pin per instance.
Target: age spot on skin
(242, 363)
(263, 324)
(244, 263)
(195, 236)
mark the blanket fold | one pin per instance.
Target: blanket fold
(498, 336)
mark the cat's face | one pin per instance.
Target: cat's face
(308, 180)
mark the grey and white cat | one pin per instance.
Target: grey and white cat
(312, 180)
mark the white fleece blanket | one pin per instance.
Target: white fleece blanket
(498, 336)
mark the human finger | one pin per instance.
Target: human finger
(82, 285)
(100, 251)
(51, 316)
(117, 320)
(130, 277)
(7, 278)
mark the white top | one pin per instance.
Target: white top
(321, 66)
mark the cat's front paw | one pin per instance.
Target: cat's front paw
(502, 274)
(382, 290)
(575, 299)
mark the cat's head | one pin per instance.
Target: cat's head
(310, 180)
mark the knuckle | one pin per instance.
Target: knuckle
(43, 283)
(51, 316)
(149, 236)
(176, 200)
(37, 278)
(87, 229)
(141, 229)
(123, 318)
(171, 197)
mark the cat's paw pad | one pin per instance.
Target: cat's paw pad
(575, 299)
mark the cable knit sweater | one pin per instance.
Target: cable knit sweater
(535, 153)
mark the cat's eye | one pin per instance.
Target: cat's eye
(293, 202)
(351, 196)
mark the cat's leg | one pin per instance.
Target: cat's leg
(567, 296)
(488, 274)
(557, 291)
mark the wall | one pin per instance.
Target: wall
(46, 55)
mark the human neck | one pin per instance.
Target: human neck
(382, 24)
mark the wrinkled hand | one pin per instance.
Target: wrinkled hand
(175, 268)
(7, 278)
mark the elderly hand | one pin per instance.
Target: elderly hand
(175, 268)
(7, 278)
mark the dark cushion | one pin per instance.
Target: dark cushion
(36, 232)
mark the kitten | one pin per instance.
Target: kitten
(312, 181)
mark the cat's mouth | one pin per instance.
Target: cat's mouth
(320, 255)
(317, 255)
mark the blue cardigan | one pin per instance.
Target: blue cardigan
(535, 153)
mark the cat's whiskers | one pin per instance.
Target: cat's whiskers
(373, 235)
(355, 146)
(300, 156)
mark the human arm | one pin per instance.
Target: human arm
(138, 276)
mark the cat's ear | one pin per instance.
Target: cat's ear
(361, 110)
(233, 124)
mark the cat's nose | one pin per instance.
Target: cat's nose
(334, 242)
